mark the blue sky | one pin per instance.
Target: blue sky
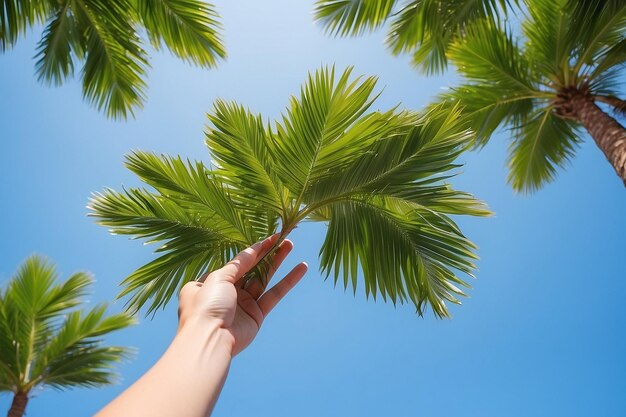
(540, 335)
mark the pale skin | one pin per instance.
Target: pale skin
(218, 318)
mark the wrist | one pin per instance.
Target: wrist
(207, 334)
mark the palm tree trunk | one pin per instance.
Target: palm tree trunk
(609, 135)
(18, 406)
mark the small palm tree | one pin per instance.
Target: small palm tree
(105, 36)
(547, 89)
(424, 28)
(45, 343)
(376, 178)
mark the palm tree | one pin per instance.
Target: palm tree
(376, 178)
(424, 28)
(43, 342)
(546, 89)
(104, 35)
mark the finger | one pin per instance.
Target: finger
(189, 288)
(245, 260)
(255, 287)
(283, 250)
(272, 297)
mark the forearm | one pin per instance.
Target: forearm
(185, 382)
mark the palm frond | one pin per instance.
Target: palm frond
(394, 197)
(29, 292)
(9, 363)
(569, 46)
(74, 355)
(54, 50)
(115, 63)
(192, 241)
(599, 26)
(551, 38)
(486, 107)
(542, 144)
(410, 163)
(196, 188)
(161, 279)
(189, 28)
(40, 335)
(32, 301)
(428, 28)
(352, 17)
(310, 141)
(88, 366)
(76, 342)
(423, 28)
(240, 144)
(611, 60)
(16, 16)
(489, 55)
(405, 252)
(386, 170)
(105, 37)
(200, 221)
(501, 85)
(418, 28)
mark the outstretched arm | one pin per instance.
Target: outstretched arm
(218, 318)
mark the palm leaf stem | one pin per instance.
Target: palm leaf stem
(618, 104)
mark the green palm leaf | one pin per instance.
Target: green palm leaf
(353, 17)
(551, 37)
(189, 28)
(16, 16)
(500, 86)
(404, 250)
(409, 163)
(104, 37)
(424, 28)
(115, 62)
(486, 107)
(489, 54)
(44, 341)
(72, 357)
(376, 177)
(54, 51)
(311, 140)
(192, 240)
(240, 144)
(599, 27)
(542, 143)
(613, 60)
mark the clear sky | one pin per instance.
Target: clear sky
(542, 333)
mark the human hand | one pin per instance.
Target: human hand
(236, 307)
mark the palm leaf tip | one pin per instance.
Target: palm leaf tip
(406, 253)
(190, 29)
(543, 144)
(352, 17)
